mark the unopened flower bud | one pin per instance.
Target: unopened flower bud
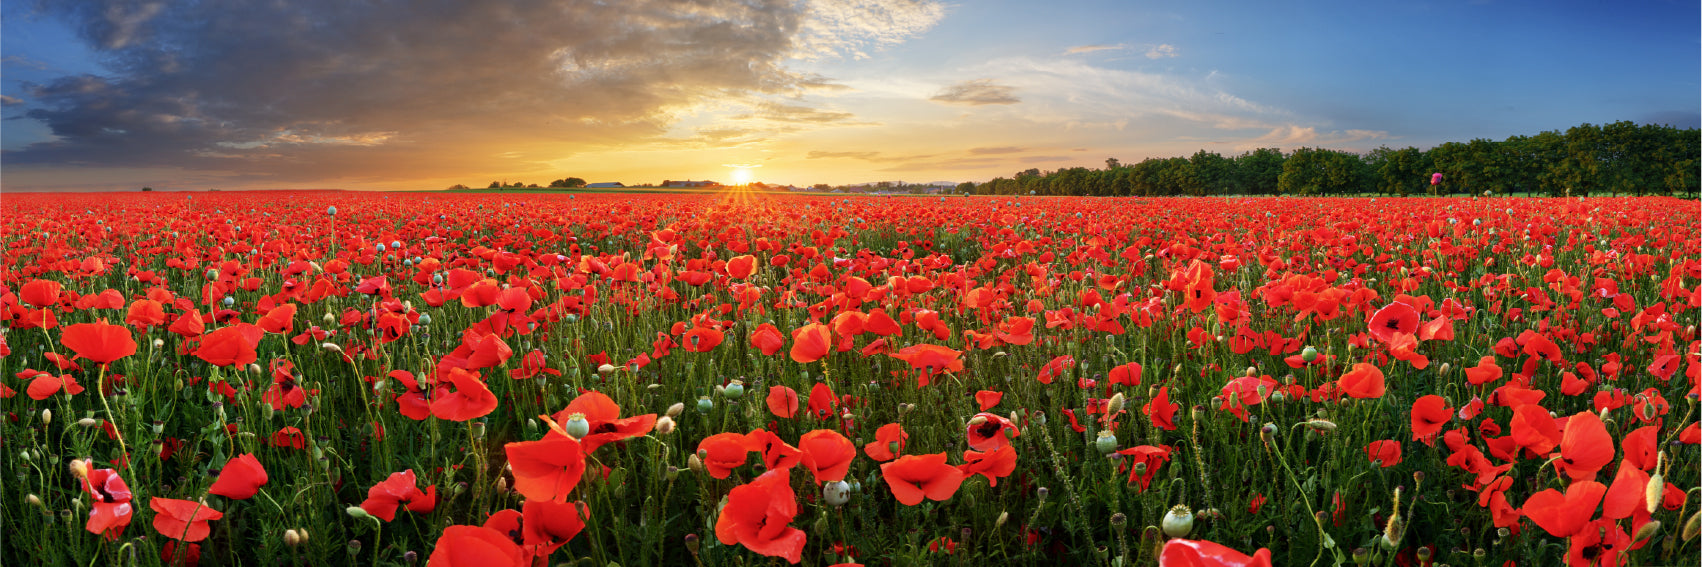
(46, 417)
(292, 538)
(1321, 426)
(674, 410)
(1652, 492)
(606, 369)
(695, 463)
(1006, 516)
(80, 468)
(1116, 404)
(88, 422)
(664, 425)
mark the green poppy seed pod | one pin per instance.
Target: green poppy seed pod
(1268, 429)
(1140, 469)
(576, 426)
(674, 410)
(1118, 519)
(1503, 532)
(1178, 522)
(1197, 412)
(672, 473)
(1309, 354)
(691, 543)
(734, 390)
(1106, 442)
(1361, 556)
(1042, 493)
(1479, 553)
(354, 547)
(1423, 554)
(836, 493)
(704, 404)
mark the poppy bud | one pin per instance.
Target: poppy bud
(664, 425)
(1178, 522)
(695, 463)
(1106, 442)
(1652, 492)
(836, 493)
(358, 513)
(1006, 516)
(674, 410)
(1321, 426)
(734, 390)
(88, 422)
(1251, 372)
(332, 347)
(46, 417)
(1116, 404)
(606, 369)
(292, 538)
(576, 426)
(158, 343)
(1691, 527)
(266, 411)
(704, 404)
(33, 500)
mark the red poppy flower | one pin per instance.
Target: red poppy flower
(1364, 381)
(1585, 447)
(1486, 371)
(723, 452)
(757, 514)
(398, 490)
(45, 385)
(776, 454)
(1535, 430)
(913, 477)
(931, 359)
(702, 339)
(284, 392)
(994, 465)
(811, 342)
(1127, 374)
(1055, 368)
(289, 437)
(110, 510)
(241, 478)
(1565, 514)
(470, 397)
(188, 325)
(782, 401)
(822, 401)
(989, 431)
(767, 338)
(1393, 318)
(1386, 452)
(741, 267)
(182, 520)
(145, 313)
(230, 346)
(604, 418)
(550, 524)
(1150, 456)
(280, 320)
(1627, 494)
(827, 454)
(99, 342)
(1161, 410)
(986, 399)
(475, 546)
(1429, 414)
(889, 442)
(1201, 553)
(546, 469)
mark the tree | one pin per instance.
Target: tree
(147, 189)
(1319, 171)
(572, 182)
(495, 185)
(965, 188)
(1112, 163)
(457, 187)
(1212, 173)
(1256, 172)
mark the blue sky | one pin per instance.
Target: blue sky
(116, 94)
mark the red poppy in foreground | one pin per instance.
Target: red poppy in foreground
(988, 431)
(1145, 462)
(45, 385)
(1364, 381)
(1565, 514)
(550, 524)
(400, 489)
(827, 454)
(810, 343)
(782, 401)
(546, 469)
(241, 479)
(723, 452)
(99, 342)
(889, 442)
(1201, 553)
(1388, 453)
(182, 520)
(757, 514)
(604, 418)
(475, 546)
(471, 398)
(1393, 318)
(1429, 414)
(913, 477)
(1162, 410)
(111, 509)
(230, 346)
(994, 465)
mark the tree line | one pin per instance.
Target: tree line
(1621, 158)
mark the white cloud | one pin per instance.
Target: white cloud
(1161, 51)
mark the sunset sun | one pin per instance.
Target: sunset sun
(741, 173)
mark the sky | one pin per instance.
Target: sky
(399, 95)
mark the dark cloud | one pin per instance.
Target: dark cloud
(978, 92)
(328, 88)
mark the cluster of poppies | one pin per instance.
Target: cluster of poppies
(1541, 356)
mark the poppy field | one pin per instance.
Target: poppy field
(328, 378)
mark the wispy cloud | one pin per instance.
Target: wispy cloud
(997, 150)
(1294, 136)
(1079, 49)
(977, 92)
(1161, 51)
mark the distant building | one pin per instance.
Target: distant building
(690, 184)
(609, 185)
